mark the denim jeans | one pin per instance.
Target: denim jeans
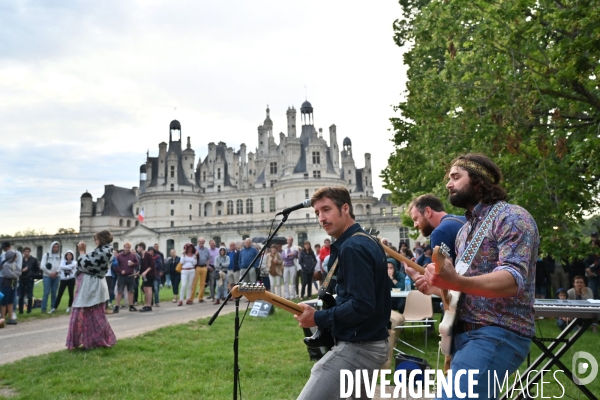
(157, 283)
(25, 290)
(50, 288)
(492, 349)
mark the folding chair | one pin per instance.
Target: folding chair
(418, 309)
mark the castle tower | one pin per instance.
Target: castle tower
(291, 122)
(306, 112)
(333, 146)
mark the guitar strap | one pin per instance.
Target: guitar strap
(467, 257)
(325, 285)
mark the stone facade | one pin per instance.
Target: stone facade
(233, 194)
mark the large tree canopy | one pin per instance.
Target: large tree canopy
(516, 80)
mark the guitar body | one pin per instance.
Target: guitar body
(322, 338)
(447, 324)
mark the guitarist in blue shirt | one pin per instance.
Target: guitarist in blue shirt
(359, 319)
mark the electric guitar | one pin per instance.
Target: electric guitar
(254, 292)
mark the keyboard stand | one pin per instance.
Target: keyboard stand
(552, 354)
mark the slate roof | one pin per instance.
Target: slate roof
(118, 201)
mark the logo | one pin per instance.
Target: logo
(581, 368)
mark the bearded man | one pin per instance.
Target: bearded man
(495, 271)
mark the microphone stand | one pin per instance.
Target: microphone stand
(236, 368)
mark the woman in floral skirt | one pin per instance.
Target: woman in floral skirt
(89, 327)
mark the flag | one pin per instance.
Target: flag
(140, 216)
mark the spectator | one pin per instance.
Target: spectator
(425, 258)
(11, 271)
(542, 277)
(308, 262)
(50, 267)
(68, 266)
(418, 249)
(275, 267)
(233, 271)
(213, 273)
(174, 276)
(396, 282)
(6, 246)
(147, 272)
(221, 267)
(247, 254)
(289, 255)
(593, 268)
(562, 322)
(188, 265)
(164, 277)
(127, 264)
(29, 272)
(264, 270)
(203, 256)
(88, 327)
(326, 250)
(318, 268)
(579, 291)
(159, 273)
(111, 281)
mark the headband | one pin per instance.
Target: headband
(476, 168)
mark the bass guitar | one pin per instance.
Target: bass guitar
(254, 292)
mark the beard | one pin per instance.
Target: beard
(464, 198)
(426, 229)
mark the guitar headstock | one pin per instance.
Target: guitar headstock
(251, 291)
(439, 256)
(373, 232)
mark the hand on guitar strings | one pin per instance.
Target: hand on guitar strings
(447, 278)
(307, 318)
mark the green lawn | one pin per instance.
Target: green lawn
(194, 360)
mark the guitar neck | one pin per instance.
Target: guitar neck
(399, 257)
(284, 304)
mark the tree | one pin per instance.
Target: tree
(516, 80)
(65, 231)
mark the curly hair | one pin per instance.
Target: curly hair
(487, 192)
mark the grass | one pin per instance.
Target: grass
(195, 360)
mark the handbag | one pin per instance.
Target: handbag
(178, 267)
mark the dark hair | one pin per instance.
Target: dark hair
(187, 246)
(424, 201)
(578, 277)
(142, 245)
(338, 195)
(72, 255)
(310, 250)
(26, 248)
(487, 192)
(104, 237)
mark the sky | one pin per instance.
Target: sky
(88, 87)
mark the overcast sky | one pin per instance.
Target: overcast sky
(87, 87)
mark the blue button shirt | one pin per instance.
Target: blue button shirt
(363, 302)
(246, 255)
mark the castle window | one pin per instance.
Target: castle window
(229, 207)
(190, 206)
(120, 222)
(137, 211)
(192, 166)
(190, 217)
(204, 176)
(395, 212)
(218, 173)
(382, 212)
(239, 207)
(199, 212)
(273, 183)
(40, 252)
(185, 158)
(316, 157)
(128, 223)
(137, 223)
(172, 201)
(192, 177)
(172, 212)
(306, 195)
(316, 174)
(249, 207)
(172, 171)
(306, 175)
(272, 204)
(262, 205)
(250, 172)
(273, 167)
(404, 235)
(218, 188)
(172, 224)
(172, 187)
(302, 237)
(350, 181)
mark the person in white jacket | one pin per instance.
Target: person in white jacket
(68, 266)
(50, 267)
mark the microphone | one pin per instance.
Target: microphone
(304, 204)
